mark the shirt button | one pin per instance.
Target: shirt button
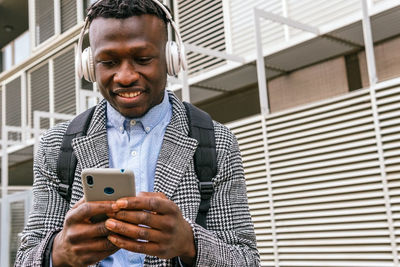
(121, 129)
(147, 129)
(133, 122)
(133, 153)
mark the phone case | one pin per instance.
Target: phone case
(107, 184)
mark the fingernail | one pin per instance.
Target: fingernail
(122, 203)
(111, 238)
(110, 224)
(115, 207)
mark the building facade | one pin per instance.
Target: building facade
(311, 90)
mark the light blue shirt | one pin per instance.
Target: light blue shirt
(135, 144)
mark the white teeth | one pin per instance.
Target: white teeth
(130, 95)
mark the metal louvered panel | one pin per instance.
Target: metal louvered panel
(1, 111)
(13, 103)
(322, 163)
(319, 12)
(44, 16)
(17, 210)
(242, 25)
(388, 101)
(64, 83)
(68, 14)
(328, 206)
(249, 135)
(39, 93)
(201, 23)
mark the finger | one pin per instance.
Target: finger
(77, 204)
(148, 248)
(96, 245)
(82, 232)
(132, 231)
(95, 250)
(87, 210)
(150, 219)
(152, 194)
(155, 204)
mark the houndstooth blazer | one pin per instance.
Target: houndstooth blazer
(229, 239)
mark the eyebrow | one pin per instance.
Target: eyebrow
(137, 48)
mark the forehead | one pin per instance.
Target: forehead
(147, 28)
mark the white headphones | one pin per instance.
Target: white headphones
(174, 51)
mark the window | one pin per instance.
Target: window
(39, 93)
(16, 51)
(21, 48)
(50, 22)
(7, 57)
(68, 14)
(44, 20)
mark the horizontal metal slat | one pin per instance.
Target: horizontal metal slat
(238, 125)
(337, 113)
(385, 92)
(331, 206)
(351, 99)
(201, 21)
(330, 213)
(323, 165)
(328, 199)
(324, 125)
(188, 8)
(335, 263)
(249, 132)
(307, 157)
(253, 159)
(257, 150)
(349, 189)
(340, 136)
(318, 182)
(317, 220)
(333, 249)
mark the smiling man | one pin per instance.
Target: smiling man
(142, 127)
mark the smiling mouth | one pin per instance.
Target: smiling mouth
(130, 94)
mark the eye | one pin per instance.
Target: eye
(144, 60)
(108, 63)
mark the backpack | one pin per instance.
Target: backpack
(205, 158)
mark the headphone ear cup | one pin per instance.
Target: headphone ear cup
(88, 65)
(182, 58)
(173, 59)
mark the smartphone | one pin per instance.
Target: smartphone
(107, 184)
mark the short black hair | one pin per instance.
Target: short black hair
(122, 9)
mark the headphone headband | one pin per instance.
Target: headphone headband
(175, 52)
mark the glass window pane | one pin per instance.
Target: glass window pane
(22, 47)
(7, 57)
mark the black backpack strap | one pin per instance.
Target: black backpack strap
(201, 128)
(66, 163)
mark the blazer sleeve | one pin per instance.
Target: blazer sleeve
(49, 208)
(229, 239)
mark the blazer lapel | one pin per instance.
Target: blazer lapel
(92, 150)
(176, 152)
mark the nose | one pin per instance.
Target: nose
(126, 74)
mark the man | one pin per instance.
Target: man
(141, 127)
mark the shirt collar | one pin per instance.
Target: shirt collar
(148, 121)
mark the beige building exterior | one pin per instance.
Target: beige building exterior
(317, 123)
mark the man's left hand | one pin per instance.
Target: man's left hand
(152, 224)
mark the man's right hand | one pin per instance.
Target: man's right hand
(82, 242)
